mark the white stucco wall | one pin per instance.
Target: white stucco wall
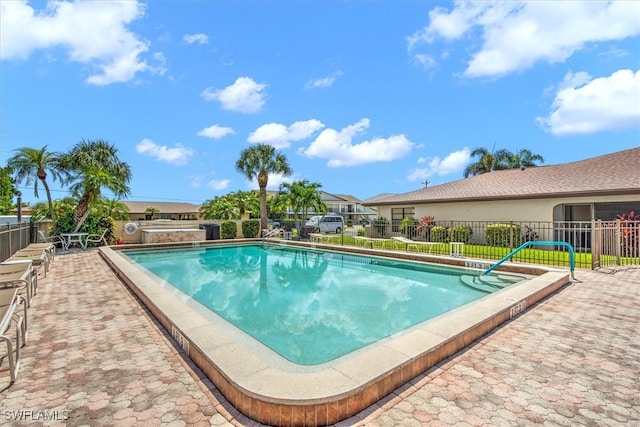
(500, 210)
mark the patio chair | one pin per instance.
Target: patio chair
(50, 248)
(9, 302)
(408, 244)
(55, 240)
(37, 257)
(97, 238)
(21, 275)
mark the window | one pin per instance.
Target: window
(398, 214)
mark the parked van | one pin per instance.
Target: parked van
(331, 224)
(313, 221)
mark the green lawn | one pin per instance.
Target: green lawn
(558, 258)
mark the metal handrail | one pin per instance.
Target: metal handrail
(572, 256)
(271, 233)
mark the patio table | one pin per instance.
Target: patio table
(70, 238)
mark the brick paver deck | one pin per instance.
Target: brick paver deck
(95, 357)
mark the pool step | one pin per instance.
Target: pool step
(489, 283)
(473, 282)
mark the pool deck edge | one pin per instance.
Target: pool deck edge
(331, 392)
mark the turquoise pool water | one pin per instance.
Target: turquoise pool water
(309, 306)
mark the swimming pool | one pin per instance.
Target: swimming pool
(267, 387)
(311, 306)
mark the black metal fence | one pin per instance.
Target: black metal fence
(596, 243)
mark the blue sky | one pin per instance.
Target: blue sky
(364, 97)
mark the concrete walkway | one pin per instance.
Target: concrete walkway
(94, 357)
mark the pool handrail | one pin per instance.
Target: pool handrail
(572, 256)
(271, 233)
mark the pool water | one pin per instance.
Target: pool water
(310, 306)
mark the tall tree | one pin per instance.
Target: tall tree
(499, 160)
(220, 207)
(300, 197)
(29, 163)
(247, 201)
(524, 158)
(258, 162)
(114, 209)
(7, 190)
(95, 165)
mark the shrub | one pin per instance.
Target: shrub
(228, 230)
(251, 228)
(408, 226)
(349, 223)
(630, 229)
(425, 225)
(439, 234)
(361, 232)
(93, 224)
(460, 233)
(502, 235)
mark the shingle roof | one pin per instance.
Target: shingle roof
(616, 173)
(163, 207)
(348, 198)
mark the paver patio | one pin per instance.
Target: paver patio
(95, 357)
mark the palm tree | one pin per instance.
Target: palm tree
(247, 201)
(96, 165)
(30, 162)
(114, 209)
(221, 207)
(152, 211)
(524, 158)
(301, 196)
(488, 161)
(258, 162)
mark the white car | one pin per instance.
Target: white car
(313, 221)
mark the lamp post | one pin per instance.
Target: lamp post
(19, 207)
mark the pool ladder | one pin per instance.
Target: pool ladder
(572, 256)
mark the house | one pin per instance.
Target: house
(349, 207)
(139, 211)
(345, 205)
(597, 188)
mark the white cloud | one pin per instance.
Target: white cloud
(426, 61)
(337, 147)
(281, 136)
(244, 96)
(216, 132)
(178, 155)
(323, 82)
(517, 35)
(199, 38)
(91, 33)
(454, 162)
(584, 105)
(218, 184)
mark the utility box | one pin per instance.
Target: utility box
(212, 231)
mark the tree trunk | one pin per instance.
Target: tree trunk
(263, 179)
(263, 209)
(81, 212)
(52, 212)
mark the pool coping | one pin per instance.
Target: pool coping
(276, 392)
